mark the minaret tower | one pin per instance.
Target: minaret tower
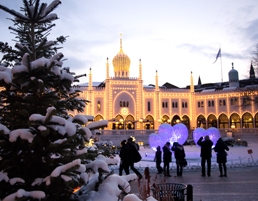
(121, 63)
(140, 69)
(107, 69)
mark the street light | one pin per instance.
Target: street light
(233, 129)
(122, 122)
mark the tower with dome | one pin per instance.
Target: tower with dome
(136, 109)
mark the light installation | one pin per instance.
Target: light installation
(167, 133)
(212, 132)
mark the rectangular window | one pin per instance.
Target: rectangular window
(149, 106)
(98, 106)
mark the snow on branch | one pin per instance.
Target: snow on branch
(22, 193)
(4, 129)
(97, 124)
(24, 134)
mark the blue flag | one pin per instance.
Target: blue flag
(218, 55)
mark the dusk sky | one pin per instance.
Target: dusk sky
(172, 37)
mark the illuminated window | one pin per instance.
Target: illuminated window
(98, 106)
(220, 102)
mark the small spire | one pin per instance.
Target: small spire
(232, 65)
(199, 80)
(121, 50)
(251, 72)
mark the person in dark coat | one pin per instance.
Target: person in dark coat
(220, 148)
(132, 155)
(124, 162)
(206, 149)
(167, 158)
(157, 159)
(179, 154)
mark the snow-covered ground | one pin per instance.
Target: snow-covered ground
(237, 156)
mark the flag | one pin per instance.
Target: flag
(218, 55)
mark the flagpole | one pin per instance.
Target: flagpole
(221, 64)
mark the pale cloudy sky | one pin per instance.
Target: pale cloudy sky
(171, 36)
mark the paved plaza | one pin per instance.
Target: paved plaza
(240, 185)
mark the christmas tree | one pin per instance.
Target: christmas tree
(41, 147)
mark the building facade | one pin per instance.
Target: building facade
(129, 105)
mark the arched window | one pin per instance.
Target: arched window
(98, 106)
(212, 121)
(223, 121)
(247, 120)
(201, 122)
(235, 120)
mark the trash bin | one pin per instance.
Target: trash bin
(169, 191)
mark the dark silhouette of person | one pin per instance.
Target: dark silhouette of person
(206, 149)
(220, 148)
(167, 158)
(179, 154)
(132, 155)
(124, 163)
(157, 159)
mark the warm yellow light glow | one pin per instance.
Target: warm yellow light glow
(76, 189)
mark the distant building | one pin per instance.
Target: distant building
(128, 104)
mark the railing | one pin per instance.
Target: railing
(236, 131)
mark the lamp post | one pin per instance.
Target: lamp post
(122, 122)
(233, 129)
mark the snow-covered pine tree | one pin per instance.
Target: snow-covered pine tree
(39, 143)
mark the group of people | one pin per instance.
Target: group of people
(179, 153)
(206, 154)
(129, 155)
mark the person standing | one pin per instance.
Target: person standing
(133, 156)
(179, 154)
(157, 159)
(220, 148)
(124, 162)
(206, 154)
(167, 158)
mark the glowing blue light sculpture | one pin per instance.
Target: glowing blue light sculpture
(180, 133)
(154, 141)
(214, 134)
(198, 133)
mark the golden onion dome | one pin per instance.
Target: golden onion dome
(121, 63)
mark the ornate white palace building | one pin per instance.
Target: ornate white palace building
(129, 105)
